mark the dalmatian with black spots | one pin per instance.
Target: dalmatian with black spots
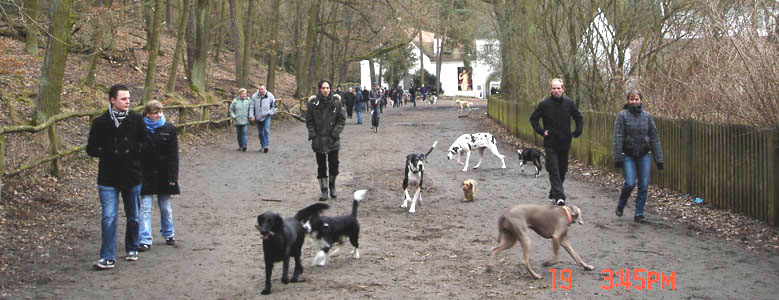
(469, 142)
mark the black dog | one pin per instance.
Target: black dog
(282, 239)
(530, 155)
(415, 172)
(328, 231)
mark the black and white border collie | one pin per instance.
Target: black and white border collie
(326, 231)
(530, 155)
(415, 172)
(469, 142)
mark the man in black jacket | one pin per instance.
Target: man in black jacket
(556, 111)
(118, 138)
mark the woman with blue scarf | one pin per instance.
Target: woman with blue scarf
(160, 174)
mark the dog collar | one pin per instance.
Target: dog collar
(568, 214)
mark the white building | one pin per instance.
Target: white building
(452, 66)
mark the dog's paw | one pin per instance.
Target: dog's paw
(588, 267)
(490, 269)
(460, 163)
(265, 292)
(404, 205)
(284, 280)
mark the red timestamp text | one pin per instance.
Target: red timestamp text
(638, 278)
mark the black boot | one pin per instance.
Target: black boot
(332, 187)
(323, 189)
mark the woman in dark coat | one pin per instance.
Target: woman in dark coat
(160, 175)
(325, 119)
(635, 136)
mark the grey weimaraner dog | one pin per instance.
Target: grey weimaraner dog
(549, 221)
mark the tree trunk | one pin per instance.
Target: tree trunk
(372, 68)
(421, 60)
(168, 16)
(199, 59)
(31, 41)
(344, 62)
(47, 103)
(177, 54)
(148, 19)
(97, 40)
(236, 18)
(243, 80)
(274, 43)
(307, 54)
(219, 32)
(151, 71)
(439, 59)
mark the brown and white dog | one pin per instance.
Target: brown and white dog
(549, 221)
(469, 190)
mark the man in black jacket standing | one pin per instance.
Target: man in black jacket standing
(118, 138)
(556, 112)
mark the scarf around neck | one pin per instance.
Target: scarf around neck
(153, 125)
(117, 116)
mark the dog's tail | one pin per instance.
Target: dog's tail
(310, 211)
(358, 196)
(431, 149)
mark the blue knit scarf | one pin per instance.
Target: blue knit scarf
(153, 125)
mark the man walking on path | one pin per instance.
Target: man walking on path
(263, 106)
(556, 112)
(118, 138)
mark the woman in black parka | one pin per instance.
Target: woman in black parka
(160, 174)
(325, 119)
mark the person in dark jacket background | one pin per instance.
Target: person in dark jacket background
(556, 112)
(635, 136)
(118, 138)
(325, 120)
(349, 101)
(160, 175)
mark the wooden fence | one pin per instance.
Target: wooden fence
(51, 127)
(730, 166)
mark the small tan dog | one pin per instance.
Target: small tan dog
(469, 190)
(463, 105)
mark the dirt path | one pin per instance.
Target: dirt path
(438, 253)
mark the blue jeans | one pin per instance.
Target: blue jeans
(358, 110)
(109, 200)
(240, 131)
(166, 218)
(635, 167)
(263, 127)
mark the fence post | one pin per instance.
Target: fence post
(53, 145)
(2, 163)
(774, 211)
(204, 115)
(182, 120)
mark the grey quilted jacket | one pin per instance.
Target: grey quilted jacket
(635, 134)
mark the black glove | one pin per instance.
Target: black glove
(660, 166)
(577, 133)
(619, 164)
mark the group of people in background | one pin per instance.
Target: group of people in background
(257, 109)
(138, 158)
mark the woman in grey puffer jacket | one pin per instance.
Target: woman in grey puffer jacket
(325, 120)
(635, 135)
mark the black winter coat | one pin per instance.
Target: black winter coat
(119, 149)
(556, 115)
(161, 163)
(325, 119)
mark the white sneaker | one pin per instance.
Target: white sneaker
(560, 202)
(132, 256)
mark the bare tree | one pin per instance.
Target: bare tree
(151, 71)
(178, 52)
